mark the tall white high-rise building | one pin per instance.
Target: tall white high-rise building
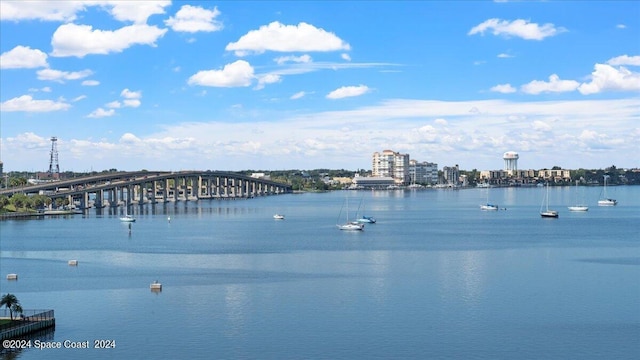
(391, 164)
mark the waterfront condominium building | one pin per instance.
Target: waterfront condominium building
(555, 174)
(424, 173)
(391, 164)
(451, 175)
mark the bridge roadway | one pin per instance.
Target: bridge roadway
(152, 186)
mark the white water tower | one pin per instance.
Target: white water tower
(510, 161)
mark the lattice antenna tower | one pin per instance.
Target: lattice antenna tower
(54, 167)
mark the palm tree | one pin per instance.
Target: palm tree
(17, 308)
(11, 302)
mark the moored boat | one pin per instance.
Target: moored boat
(606, 201)
(579, 208)
(351, 226)
(367, 220)
(127, 218)
(546, 213)
(488, 206)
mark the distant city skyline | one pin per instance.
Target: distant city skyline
(306, 85)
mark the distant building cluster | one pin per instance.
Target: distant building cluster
(393, 169)
(402, 169)
(510, 175)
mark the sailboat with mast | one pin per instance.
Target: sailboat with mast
(127, 217)
(606, 201)
(578, 207)
(544, 208)
(349, 225)
(364, 219)
(488, 205)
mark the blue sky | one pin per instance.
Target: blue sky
(235, 85)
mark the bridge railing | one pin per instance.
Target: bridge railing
(79, 186)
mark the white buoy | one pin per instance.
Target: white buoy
(73, 262)
(156, 286)
(12, 276)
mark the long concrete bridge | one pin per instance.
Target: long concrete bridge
(112, 189)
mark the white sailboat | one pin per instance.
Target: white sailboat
(126, 217)
(488, 205)
(606, 201)
(546, 213)
(349, 225)
(578, 207)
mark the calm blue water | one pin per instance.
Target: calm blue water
(435, 278)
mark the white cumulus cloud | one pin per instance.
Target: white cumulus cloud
(82, 40)
(607, 77)
(348, 91)
(40, 10)
(298, 95)
(23, 57)
(504, 88)
(62, 76)
(541, 126)
(29, 104)
(516, 28)
(287, 38)
(267, 79)
(555, 84)
(128, 94)
(67, 11)
(295, 59)
(194, 19)
(131, 103)
(131, 98)
(100, 113)
(135, 11)
(236, 74)
(624, 60)
(129, 138)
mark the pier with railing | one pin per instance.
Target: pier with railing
(25, 323)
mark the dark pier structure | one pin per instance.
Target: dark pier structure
(30, 321)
